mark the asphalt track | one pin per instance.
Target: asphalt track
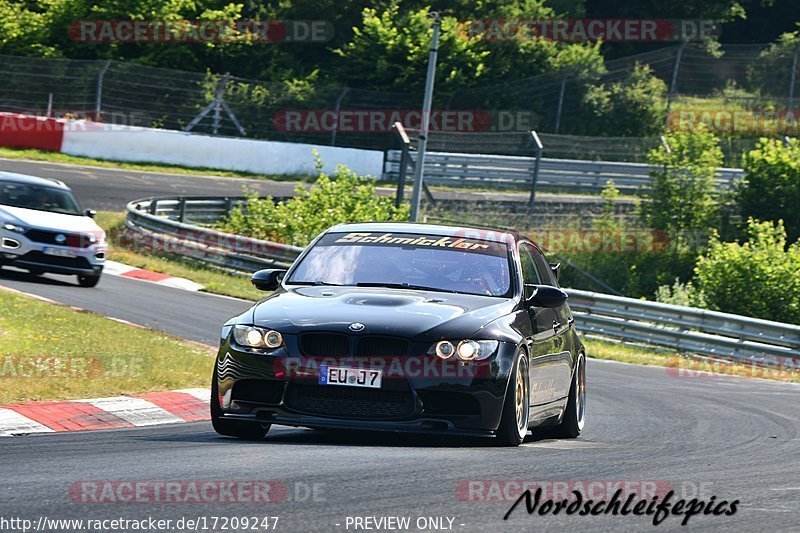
(736, 439)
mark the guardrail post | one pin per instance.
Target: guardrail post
(182, 211)
(153, 206)
(98, 97)
(537, 144)
(405, 143)
(228, 206)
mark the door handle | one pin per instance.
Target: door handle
(556, 325)
(570, 321)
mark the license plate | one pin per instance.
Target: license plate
(350, 377)
(59, 252)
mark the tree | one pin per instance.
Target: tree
(683, 201)
(759, 278)
(632, 107)
(771, 188)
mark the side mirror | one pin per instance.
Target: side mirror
(90, 213)
(545, 296)
(556, 269)
(268, 279)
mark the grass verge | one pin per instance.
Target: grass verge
(52, 352)
(683, 367)
(213, 281)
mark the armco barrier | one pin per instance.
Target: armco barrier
(22, 131)
(515, 171)
(166, 221)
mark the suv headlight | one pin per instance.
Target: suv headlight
(13, 227)
(255, 337)
(464, 350)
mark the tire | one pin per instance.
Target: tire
(233, 428)
(88, 281)
(574, 419)
(516, 409)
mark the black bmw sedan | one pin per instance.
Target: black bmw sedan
(405, 327)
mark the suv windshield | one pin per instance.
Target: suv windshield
(404, 260)
(39, 197)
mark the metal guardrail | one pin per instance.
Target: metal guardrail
(165, 222)
(514, 171)
(684, 328)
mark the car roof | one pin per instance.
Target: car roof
(33, 180)
(487, 234)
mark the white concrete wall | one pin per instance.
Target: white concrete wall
(128, 143)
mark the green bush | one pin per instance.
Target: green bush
(771, 188)
(343, 197)
(759, 278)
(683, 201)
(632, 107)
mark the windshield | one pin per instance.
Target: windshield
(39, 197)
(404, 260)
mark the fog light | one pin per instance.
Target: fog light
(10, 243)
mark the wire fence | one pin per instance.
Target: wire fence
(749, 77)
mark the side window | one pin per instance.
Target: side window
(529, 274)
(545, 273)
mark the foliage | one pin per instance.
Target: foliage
(771, 73)
(685, 294)
(635, 261)
(390, 49)
(771, 188)
(343, 197)
(634, 106)
(683, 201)
(759, 278)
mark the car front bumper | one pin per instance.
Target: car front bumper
(19, 251)
(419, 394)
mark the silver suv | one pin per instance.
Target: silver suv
(43, 229)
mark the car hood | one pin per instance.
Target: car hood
(396, 312)
(47, 220)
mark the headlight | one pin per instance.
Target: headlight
(13, 227)
(255, 337)
(466, 350)
(444, 349)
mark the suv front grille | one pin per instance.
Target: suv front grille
(74, 240)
